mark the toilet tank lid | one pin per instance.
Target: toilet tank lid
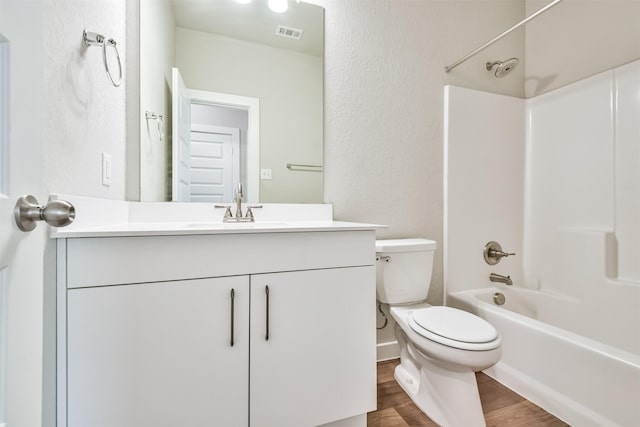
(405, 245)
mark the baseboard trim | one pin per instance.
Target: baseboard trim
(387, 351)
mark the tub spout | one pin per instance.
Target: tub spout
(494, 277)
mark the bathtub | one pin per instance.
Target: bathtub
(580, 380)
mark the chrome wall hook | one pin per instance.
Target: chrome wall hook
(96, 39)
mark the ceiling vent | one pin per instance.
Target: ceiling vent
(292, 33)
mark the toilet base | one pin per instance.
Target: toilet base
(445, 392)
(449, 400)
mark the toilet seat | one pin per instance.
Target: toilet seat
(454, 328)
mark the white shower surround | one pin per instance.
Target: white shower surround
(556, 180)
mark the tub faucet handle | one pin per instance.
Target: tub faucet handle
(500, 254)
(493, 253)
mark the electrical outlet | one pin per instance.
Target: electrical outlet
(265, 174)
(106, 169)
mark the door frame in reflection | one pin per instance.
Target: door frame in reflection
(252, 106)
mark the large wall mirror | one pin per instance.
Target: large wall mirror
(231, 91)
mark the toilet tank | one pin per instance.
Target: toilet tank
(403, 270)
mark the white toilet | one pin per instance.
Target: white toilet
(440, 347)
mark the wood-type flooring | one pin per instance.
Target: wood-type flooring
(501, 406)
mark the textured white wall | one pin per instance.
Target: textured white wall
(157, 57)
(85, 113)
(577, 39)
(384, 82)
(384, 78)
(289, 86)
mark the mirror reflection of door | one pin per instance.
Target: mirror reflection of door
(215, 145)
(181, 146)
(215, 162)
(206, 147)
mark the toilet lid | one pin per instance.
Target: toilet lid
(453, 327)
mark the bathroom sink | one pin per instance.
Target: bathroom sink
(232, 225)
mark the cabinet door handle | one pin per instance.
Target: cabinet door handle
(233, 296)
(266, 291)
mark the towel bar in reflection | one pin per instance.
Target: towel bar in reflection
(149, 115)
(295, 167)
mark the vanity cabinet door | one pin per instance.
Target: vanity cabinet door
(159, 354)
(318, 362)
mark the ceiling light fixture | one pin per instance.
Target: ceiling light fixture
(278, 6)
(243, 1)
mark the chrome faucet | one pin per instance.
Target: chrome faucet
(228, 216)
(494, 277)
(238, 200)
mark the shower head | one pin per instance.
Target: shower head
(503, 67)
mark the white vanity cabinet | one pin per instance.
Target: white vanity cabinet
(145, 329)
(308, 371)
(158, 354)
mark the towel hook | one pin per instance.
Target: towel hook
(95, 39)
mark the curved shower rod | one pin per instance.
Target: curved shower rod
(498, 37)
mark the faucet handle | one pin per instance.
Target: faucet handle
(227, 213)
(500, 254)
(493, 253)
(250, 211)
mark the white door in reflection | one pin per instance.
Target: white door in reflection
(181, 117)
(215, 163)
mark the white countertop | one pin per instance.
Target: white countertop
(112, 218)
(187, 228)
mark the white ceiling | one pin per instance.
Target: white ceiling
(254, 22)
